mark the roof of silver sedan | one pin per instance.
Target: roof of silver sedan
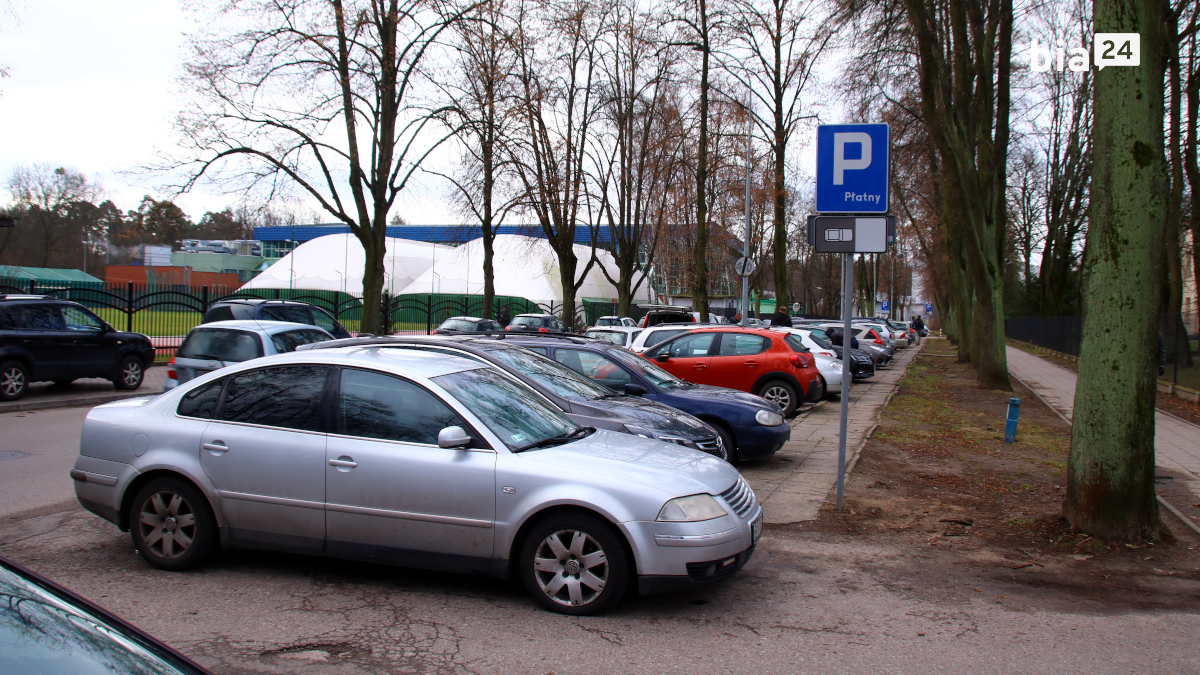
(407, 361)
(268, 327)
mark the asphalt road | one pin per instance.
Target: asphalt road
(807, 603)
(37, 450)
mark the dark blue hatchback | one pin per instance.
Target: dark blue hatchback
(751, 427)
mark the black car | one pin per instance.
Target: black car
(537, 323)
(584, 401)
(751, 427)
(44, 628)
(275, 310)
(47, 339)
(666, 314)
(466, 324)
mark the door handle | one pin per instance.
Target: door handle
(215, 446)
(700, 366)
(752, 363)
(346, 463)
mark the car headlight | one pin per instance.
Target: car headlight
(690, 509)
(650, 433)
(768, 418)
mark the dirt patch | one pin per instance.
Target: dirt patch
(937, 479)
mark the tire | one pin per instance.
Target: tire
(560, 550)
(782, 394)
(130, 373)
(14, 380)
(731, 450)
(172, 506)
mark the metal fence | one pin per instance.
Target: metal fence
(166, 313)
(1062, 334)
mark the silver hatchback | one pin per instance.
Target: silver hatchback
(417, 459)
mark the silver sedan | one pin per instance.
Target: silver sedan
(417, 459)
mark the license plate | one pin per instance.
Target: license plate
(756, 529)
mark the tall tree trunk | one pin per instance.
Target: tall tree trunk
(779, 217)
(700, 278)
(1110, 471)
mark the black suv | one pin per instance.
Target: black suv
(274, 310)
(666, 314)
(45, 338)
(537, 323)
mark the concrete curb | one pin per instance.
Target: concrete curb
(88, 401)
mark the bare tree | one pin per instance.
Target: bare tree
(54, 225)
(318, 96)
(773, 49)
(558, 56)
(639, 150)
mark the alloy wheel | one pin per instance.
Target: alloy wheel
(132, 373)
(778, 395)
(12, 382)
(167, 524)
(571, 568)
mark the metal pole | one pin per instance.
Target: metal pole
(847, 284)
(746, 243)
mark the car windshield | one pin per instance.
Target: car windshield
(493, 397)
(221, 344)
(551, 374)
(43, 633)
(657, 376)
(615, 337)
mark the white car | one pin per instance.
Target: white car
(828, 364)
(622, 336)
(611, 321)
(660, 333)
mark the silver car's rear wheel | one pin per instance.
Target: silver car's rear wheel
(575, 564)
(171, 524)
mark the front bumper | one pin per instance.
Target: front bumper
(699, 574)
(756, 441)
(677, 556)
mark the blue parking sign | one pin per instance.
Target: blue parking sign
(852, 168)
(929, 308)
(884, 306)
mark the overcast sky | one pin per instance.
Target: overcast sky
(92, 86)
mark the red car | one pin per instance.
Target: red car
(772, 364)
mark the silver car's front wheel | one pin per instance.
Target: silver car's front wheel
(575, 564)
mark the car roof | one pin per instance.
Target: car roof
(464, 318)
(406, 362)
(615, 329)
(259, 301)
(268, 327)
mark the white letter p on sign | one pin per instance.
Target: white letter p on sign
(840, 163)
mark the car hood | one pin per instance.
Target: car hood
(656, 416)
(611, 456)
(705, 392)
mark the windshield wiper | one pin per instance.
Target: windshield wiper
(209, 357)
(611, 394)
(579, 432)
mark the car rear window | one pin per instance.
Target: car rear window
(293, 313)
(795, 342)
(527, 321)
(221, 344)
(457, 324)
(287, 341)
(221, 313)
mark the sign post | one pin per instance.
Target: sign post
(853, 163)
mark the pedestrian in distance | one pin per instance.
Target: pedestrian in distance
(781, 318)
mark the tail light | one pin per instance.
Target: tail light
(543, 330)
(508, 328)
(800, 360)
(171, 370)
(878, 341)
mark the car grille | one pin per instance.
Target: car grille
(713, 446)
(740, 497)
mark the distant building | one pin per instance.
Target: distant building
(168, 275)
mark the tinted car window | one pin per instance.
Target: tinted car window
(741, 344)
(222, 313)
(40, 317)
(287, 341)
(539, 350)
(293, 313)
(457, 324)
(660, 336)
(77, 319)
(692, 345)
(795, 342)
(374, 405)
(201, 402)
(550, 374)
(526, 321)
(608, 321)
(221, 344)
(322, 320)
(288, 397)
(594, 367)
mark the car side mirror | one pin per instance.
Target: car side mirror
(662, 357)
(632, 389)
(453, 437)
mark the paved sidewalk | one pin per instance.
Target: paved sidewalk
(794, 483)
(1176, 442)
(84, 392)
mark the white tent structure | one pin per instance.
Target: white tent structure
(336, 262)
(524, 267)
